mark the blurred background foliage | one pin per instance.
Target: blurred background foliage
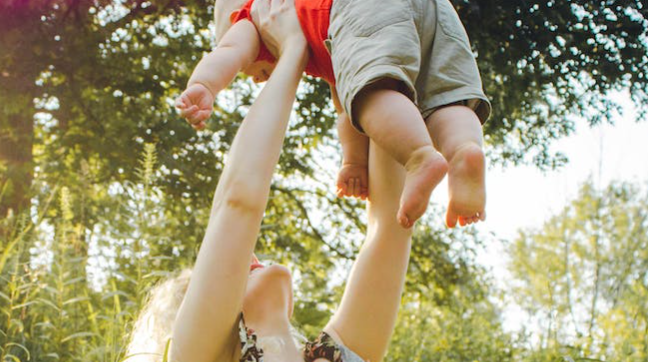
(104, 191)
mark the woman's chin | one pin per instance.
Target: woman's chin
(277, 271)
(270, 289)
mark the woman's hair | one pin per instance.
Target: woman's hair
(154, 326)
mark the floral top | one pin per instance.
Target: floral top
(323, 347)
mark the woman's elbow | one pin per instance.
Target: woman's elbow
(245, 204)
(242, 200)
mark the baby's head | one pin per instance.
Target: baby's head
(224, 11)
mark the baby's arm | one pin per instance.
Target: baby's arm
(238, 49)
(353, 179)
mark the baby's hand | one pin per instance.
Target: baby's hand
(353, 181)
(195, 105)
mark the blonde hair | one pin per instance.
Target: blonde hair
(154, 326)
(222, 11)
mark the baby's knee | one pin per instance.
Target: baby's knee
(385, 92)
(454, 113)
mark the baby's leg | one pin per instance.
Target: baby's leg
(457, 134)
(391, 120)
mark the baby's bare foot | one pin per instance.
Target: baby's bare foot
(425, 169)
(466, 186)
(353, 181)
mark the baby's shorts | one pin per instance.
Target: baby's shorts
(421, 43)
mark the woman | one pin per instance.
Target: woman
(227, 283)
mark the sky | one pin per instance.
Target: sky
(524, 197)
(603, 153)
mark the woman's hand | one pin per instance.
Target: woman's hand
(277, 22)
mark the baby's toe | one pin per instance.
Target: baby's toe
(451, 219)
(462, 220)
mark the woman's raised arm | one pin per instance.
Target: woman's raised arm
(205, 327)
(365, 320)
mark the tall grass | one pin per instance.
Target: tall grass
(50, 310)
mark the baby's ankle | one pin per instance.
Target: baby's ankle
(468, 147)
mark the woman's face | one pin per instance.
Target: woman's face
(269, 290)
(259, 71)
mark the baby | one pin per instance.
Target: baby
(406, 78)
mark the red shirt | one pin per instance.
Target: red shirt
(314, 19)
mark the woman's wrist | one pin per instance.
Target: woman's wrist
(296, 49)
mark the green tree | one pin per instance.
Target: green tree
(583, 276)
(100, 76)
(543, 62)
(447, 313)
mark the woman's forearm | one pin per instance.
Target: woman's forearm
(253, 158)
(367, 314)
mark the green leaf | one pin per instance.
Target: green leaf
(78, 335)
(5, 297)
(166, 350)
(75, 300)
(13, 344)
(12, 357)
(48, 303)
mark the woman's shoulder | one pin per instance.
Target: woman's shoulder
(324, 346)
(330, 347)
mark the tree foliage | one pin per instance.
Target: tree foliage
(94, 79)
(584, 275)
(448, 312)
(543, 62)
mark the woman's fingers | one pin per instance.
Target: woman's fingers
(278, 24)
(260, 10)
(262, 15)
(275, 5)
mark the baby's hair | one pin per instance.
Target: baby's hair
(222, 11)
